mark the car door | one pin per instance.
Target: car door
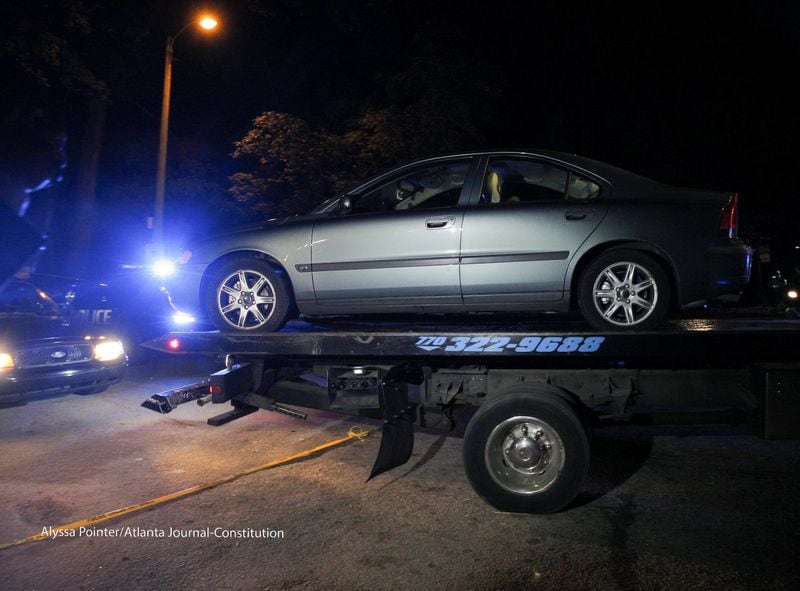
(399, 242)
(525, 226)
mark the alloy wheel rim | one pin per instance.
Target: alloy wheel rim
(625, 293)
(246, 299)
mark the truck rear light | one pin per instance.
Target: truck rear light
(729, 220)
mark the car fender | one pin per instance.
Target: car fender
(588, 252)
(286, 247)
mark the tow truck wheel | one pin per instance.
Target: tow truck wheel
(248, 295)
(624, 290)
(526, 452)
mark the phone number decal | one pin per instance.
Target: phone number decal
(528, 344)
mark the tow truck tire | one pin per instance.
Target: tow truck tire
(527, 452)
(637, 288)
(247, 295)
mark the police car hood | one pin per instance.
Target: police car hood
(17, 327)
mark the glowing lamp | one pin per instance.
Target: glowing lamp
(6, 361)
(108, 351)
(208, 23)
(182, 318)
(163, 268)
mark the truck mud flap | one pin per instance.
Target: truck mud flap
(399, 414)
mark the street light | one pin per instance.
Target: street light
(207, 23)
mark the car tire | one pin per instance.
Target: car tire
(247, 295)
(635, 291)
(527, 452)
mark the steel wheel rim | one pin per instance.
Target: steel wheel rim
(246, 299)
(625, 293)
(524, 455)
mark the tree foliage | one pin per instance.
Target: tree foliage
(290, 165)
(44, 40)
(435, 104)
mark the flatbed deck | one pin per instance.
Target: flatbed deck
(728, 341)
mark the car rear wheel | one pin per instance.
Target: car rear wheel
(247, 295)
(527, 451)
(624, 290)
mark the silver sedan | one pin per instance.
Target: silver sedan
(478, 231)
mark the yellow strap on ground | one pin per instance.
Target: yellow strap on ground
(354, 433)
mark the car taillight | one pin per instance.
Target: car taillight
(729, 221)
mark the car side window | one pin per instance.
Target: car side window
(510, 181)
(429, 187)
(581, 188)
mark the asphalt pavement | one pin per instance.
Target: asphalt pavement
(666, 507)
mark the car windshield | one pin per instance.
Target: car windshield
(433, 185)
(20, 298)
(323, 207)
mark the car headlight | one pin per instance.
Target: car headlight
(792, 294)
(108, 351)
(6, 361)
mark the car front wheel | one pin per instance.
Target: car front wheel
(624, 290)
(248, 295)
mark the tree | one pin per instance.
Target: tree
(52, 89)
(292, 166)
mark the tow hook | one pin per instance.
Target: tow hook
(167, 401)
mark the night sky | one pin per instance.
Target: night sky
(702, 96)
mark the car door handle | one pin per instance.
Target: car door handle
(578, 214)
(439, 223)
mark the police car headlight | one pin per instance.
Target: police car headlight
(6, 362)
(108, 351)
(792, 294)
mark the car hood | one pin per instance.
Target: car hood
(254, 227)
(264, 225)
(17, 328)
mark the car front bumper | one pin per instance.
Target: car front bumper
(21, 384)
(182, 290)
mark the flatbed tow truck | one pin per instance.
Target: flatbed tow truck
(539, 386)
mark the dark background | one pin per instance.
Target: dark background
(703, 96)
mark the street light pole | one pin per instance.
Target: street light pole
(161, 176)
(208, 23)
